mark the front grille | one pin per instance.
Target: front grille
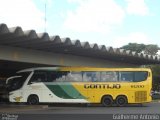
(140, 96)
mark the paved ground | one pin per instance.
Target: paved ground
(71, 111)
(153, 107)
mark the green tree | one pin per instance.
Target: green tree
(150, 49)
(134, 47)
(156, 76)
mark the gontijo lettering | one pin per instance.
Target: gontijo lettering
(102, 86)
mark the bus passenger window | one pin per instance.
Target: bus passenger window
(69, 77)
(86, 77)
(60, 76)
(38, 77)
(74, 77)
(109, 76)
(140, 76)
(91, 76)
(52, 76)
(126, 76)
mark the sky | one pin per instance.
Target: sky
(105, 22)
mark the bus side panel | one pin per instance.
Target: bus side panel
(138, 92)
(33, 89)
(60, 92)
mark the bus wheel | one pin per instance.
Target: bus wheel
(121, 101)
(33, 100)
(107, 101)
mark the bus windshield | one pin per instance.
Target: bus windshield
(16, 82)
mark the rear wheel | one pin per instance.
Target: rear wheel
(33, 100)
(121, 101)
(107, 101)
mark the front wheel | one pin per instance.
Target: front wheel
(33, 100)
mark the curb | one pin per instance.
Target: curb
(155, 101)
(17, 108)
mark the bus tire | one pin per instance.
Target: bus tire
(33, 100)
(121, 100)
(107, 101)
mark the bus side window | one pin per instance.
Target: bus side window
(109, 76)
(127, 76)
(52, 76)
(60, 76)
(77, 76)
(86, 77)
(91, 76)
(140, 76)
(38, 77)
(74, 77)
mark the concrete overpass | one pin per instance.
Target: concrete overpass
(21, 49)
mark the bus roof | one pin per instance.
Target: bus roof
(38, 68)
(82, 69)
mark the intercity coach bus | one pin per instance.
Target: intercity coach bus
(107, 86)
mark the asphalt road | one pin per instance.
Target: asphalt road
(79, 112)
(151, 108)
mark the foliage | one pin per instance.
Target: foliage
(156, 76)
(134, 47)
(150, 49)
(155, 69)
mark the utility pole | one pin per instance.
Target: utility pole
(45, 19)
